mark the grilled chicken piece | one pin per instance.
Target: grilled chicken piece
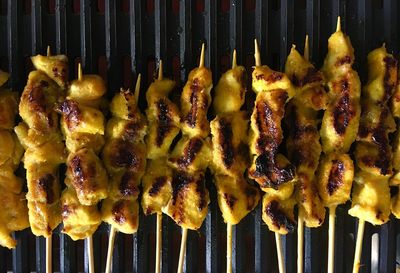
(191, 154)
(11, 150)
(124, 157)
(190, 199)
(157, 189)
(163, 117)
(8, 109)
(370, 198)
(278, 213)
(236, 197)
(230, 155)
(335, 177)
(37, 102)
(195, 100)
(269, 169)
(395, 205)
(43, 218)
(303, 146)
(341, 118)
(13, 215)
(395, 179)
(87, 175)
(230, 91)
(79, 221)
(56, 67)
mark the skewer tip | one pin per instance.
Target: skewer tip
(160, 70)
(137, 88)
(234, 59)
(201, 63)
(338, 24)
(80, 73)
(48, 51)
(306, 49)
(257, 53)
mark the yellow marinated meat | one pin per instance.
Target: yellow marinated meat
(303, 145)
(124, 156)
(195, 100)
(373, 153)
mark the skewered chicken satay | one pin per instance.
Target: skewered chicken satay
(14, 215)
(270, 169)
(230, 156)
(339, 128)
(40, 136)
(125, 161)
(373, 153)
(164, 125)
(86, 178)
(303, 144)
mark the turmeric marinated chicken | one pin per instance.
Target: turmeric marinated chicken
(14, 213)
(340, 121)
(373, 153)
(124, 156)
(270, 169)
(190, 157)
(164, 125)
(40, 135)
(303, 146)
(82, 124)
(230, 155)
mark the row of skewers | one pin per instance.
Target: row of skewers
(166, 152)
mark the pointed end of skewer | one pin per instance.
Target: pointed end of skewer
(306, 49)
(80, 73)
(384, 45)
(234, 59)
(257, 53)
(160, 70)
(137, 88)
(201, 63)
(48, 51)
(338, 25)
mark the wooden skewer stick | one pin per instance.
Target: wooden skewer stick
(49, 256)
(228, 225)
(228, 248)
(159, 215)
(300, 220)
(331, 239)
(89, 241)
(357, 254)
(158, 243)
(110, 250)
(113, 230)
(257, 55)
(182, 251)
(281, 264)
(338, 24)
(49, 240)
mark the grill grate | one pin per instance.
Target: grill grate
(118, 39)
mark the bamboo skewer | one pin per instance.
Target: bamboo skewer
(113, 230)
(49, 241)
(228, 225)
(331, 239)
(159, 215)
(257, 57)
(357, 254)
(49, 255)
(182, 252)
(300, 220)
(89, 239)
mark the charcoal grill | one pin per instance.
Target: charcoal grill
(119, 39)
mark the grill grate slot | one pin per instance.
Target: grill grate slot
(120, 39)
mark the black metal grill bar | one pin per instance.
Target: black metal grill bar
(111, 33)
